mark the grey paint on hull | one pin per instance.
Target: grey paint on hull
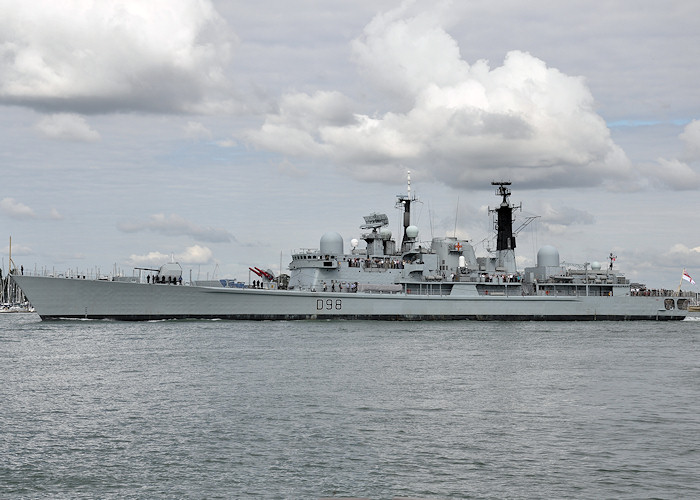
(72, 298)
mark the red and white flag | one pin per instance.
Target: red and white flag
(687, 277)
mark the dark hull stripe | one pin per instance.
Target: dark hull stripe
(383, 317)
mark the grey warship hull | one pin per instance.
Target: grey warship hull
(57, 298)
(386, 280)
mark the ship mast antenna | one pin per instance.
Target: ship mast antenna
(505, 237)
(404, 202)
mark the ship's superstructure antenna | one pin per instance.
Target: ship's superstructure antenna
(404, 202)
(505, 238)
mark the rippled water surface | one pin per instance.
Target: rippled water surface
(216, 409)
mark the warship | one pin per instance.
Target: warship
(383, 279)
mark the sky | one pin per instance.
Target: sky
(228, 134)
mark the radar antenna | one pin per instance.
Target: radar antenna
(375, 221)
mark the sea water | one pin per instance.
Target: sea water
(222, 409)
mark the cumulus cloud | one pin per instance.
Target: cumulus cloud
(462, 124)
(174, 225)
(67, 126)
(197, 130)
(691, 139)
(679, 173)
(196, 255)
(558, 220)
(15, 209)
(55, 214)
(406, 50)
(150, 259)
(565, 216)
(674, 174)
(689, 257)
(191, 255)
(297, 126)
(93, 57)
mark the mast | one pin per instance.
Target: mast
(404, 202)
(505, 239)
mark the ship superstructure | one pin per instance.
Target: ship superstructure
(447, 266)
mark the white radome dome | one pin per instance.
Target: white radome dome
(548, 256)
(331, 244)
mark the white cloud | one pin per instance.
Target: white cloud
(20, 211)
(195, 254)
(197, 130)
(150, 259)
(403, 52)
(565, 216)
(67, 126)
(678, 173)
(688, 257)
(175, 225)
(462, 124)
(15, 209)
(674, 174)
(295, 128)
(691, 138)
(55, 214)
(113, 55)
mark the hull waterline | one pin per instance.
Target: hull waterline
(93, 299)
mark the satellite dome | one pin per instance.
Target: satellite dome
(595, 266)
(385, 234)
(548, 256)
(331, 244)
(354, 242)
(412, 232)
